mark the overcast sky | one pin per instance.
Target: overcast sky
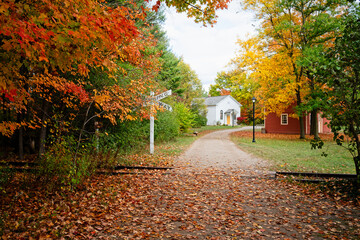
(208, 49)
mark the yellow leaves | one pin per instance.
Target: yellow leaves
(4, 8)
(130, 118)
(271, 70)
(101, 99)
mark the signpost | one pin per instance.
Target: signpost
(155, 100)
(164, 105)
(163, 95)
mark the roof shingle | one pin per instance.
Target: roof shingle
(209, 101)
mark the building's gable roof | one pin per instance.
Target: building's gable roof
(212, 101)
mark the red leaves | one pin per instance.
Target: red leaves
(47, 39)
(87, 24)
(77, 90)
(9, 94)
(156, 6)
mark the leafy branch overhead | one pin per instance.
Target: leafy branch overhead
(203, 11)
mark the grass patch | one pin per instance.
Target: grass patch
(214, 128)
(164, 153)
(292, 154)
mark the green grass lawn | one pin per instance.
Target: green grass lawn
(214, 128)
(297, 155)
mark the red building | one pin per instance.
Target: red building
(286, 124)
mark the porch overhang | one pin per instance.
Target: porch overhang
(229, 111)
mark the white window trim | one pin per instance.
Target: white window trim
(287, 119)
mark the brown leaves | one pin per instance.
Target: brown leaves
(248, 134)
(174, 206)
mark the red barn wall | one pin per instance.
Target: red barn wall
(273, 125)
(326, 126)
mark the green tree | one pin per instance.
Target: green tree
(170, 75)
(190, 83)
(241, 86)
(339, 69)
(184, 115)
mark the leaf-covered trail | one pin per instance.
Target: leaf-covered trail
(180, 206)
(218, 191)
(224, 207)
(203, 202)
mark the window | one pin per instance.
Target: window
(221, 115)
(284, 119)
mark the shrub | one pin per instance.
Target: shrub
(199, 121)
(59, 168)
(125, 136)
(242, 120)
(184, 115)
(167, 126)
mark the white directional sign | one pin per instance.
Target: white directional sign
(164, 105)
(155, 100)
(163, 95)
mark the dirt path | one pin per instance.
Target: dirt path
(207, 196)
(216, 151)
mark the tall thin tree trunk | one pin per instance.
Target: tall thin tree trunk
(314, 128)
(357, 152)
(21, 143)
(20, 138)
(43, 128)
(301, 115)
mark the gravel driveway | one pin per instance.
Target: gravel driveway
(216, 151)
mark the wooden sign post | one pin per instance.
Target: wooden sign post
(155, 100)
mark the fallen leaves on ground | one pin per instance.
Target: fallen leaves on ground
(154, 205)
(249, 134)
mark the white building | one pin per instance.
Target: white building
(222, 110)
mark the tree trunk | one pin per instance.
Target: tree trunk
(20, 138)
(43, 128)
(301, 115)
(357, 152)
(357, 167)
(314, 129)
(302, 128)
(21, 143)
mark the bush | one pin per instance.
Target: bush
(59, 168)
(125, 136)
(167, 126)
(199, 121)
(185, 116)
(242, 120)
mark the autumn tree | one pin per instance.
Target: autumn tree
(294, 26)
(239, 85)
(48, 49)
(257, 70)
(62, 60)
